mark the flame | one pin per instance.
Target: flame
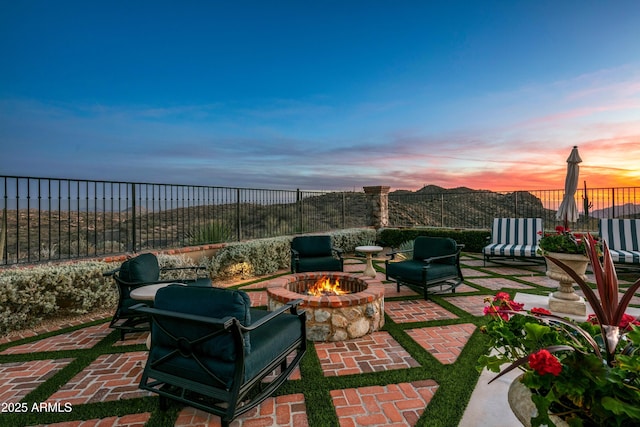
(324, 287)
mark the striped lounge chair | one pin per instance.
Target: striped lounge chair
(514, 238)
(623, 239)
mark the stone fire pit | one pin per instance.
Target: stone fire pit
(333, 317)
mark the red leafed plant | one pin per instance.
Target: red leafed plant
(587, 373)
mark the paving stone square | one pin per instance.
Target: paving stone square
(391, 405)
(372, 353)
(473, 304)
(416, 311)
(445, 342)
(79, 339)
(282, 411)
(110, 377)
(17, 379)
(497, 283)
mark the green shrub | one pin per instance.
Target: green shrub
(266, 256)
(473, 240)
(29, 295)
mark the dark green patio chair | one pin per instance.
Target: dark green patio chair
(140, 271)
(211, 351)
(435, 263)
(315, 253)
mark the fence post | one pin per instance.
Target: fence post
(613, 203)
(379, 205)
(344, 210)
(299, 205)
(238, 222)
(133, 223)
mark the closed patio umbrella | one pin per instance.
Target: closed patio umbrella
(568, 210)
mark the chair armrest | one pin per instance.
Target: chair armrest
(224, 322)
(435, 258)
(196, 268)
(110, 272)
(392, 254)
(272, 314)
(338, 250)
(295, 252)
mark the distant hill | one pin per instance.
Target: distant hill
(626, 210)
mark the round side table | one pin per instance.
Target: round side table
(369, 251)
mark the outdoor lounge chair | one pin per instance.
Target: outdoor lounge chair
(315, 253)
(622, 237)
(137, 272)
(514, 238)
(211, 351)
(435, 262)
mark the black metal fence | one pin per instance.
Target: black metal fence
(463, 208)
(44, 219)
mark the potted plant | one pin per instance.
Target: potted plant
(587, 373)
(571, 249)
(562, 241)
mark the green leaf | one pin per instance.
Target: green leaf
(536, 331)
(618, 407)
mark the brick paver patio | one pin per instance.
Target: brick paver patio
(114, 375)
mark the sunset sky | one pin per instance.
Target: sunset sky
(322, 95)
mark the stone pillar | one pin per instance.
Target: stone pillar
(379, 205)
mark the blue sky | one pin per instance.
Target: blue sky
(322, 95)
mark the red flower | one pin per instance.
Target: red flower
(627, 320)
(544, 362)
(540, 310)
(560, 229)
(515, 306)
(495, 311)
(501, 296)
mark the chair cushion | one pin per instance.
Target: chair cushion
(411, 271)
(516, 231)
(513, 250)
(141, 269)
(625, 257)
(208, 302)
(621, 234)
(312, 246)
(426, 247)
(327, 263)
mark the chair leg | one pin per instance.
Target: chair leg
(164, 403)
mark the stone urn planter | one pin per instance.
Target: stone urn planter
(565, 299)
(523, 408)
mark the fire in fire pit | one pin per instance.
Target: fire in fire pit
(324, 287)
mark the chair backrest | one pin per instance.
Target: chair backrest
(312, 246)
(426, 247)
(142, 269)
(202, 301)
(516, 231)
(620, 234)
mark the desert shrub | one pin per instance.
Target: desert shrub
(29, 295)
(348, 239)
(252, 258)
(214, 231)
